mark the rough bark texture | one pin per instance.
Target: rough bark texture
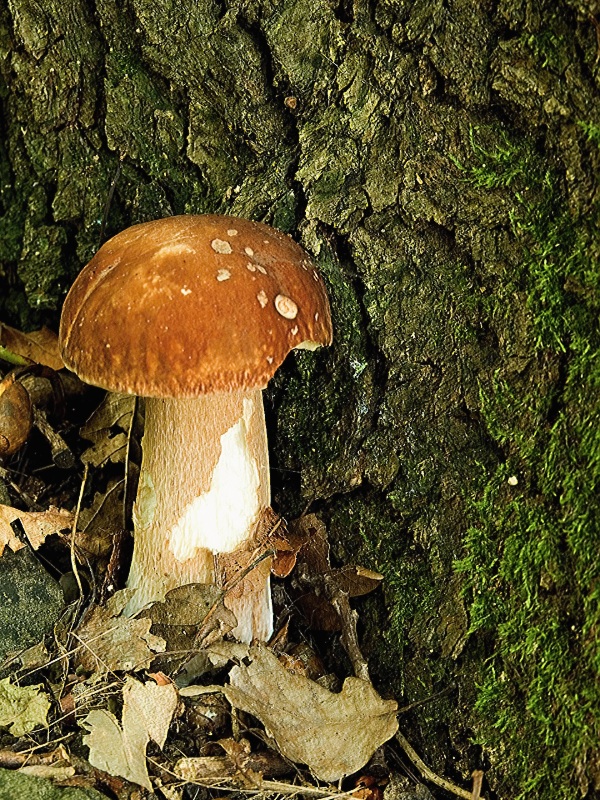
(440, 160)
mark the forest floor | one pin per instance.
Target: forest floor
(165, 704)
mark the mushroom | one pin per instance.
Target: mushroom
(196, 313)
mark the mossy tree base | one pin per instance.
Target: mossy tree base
(441, 162)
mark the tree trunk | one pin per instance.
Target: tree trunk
(440, 160)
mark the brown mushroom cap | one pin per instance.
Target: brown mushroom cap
(186, 305)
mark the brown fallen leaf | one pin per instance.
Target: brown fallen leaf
(39, 347)
(36, 524)
(99, 522)
(316, 583)
(116, 643)
(120, 749)
(178, 619)
(108, 429)
(333, 734)
(354, 580)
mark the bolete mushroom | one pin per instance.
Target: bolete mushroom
(196, 313)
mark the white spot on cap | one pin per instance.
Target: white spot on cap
(107, 344)
(219, 246)
(232, 232)
(294, 330)
(249, 251)
(286, 307)
(223, 275)
(262, 298)
(251, 266)
(185, 291)
(315, 276)
(261, 269)
(316, 316)
(270, 359)
(175, 249)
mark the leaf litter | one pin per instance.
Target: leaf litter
(275, 713)
(111, 642)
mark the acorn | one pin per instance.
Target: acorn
(16, 415)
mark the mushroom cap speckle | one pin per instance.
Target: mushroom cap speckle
(188, 305)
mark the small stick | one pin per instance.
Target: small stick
(349, 636)
(74, 531)
(61, 454)
(477, 776)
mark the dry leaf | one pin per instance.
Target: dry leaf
(108, 430)
(334, 734)
(179, 617)
(354, 580)
(22, 708)
(36, 524)
(121, 750)
(272, 534)
(117, 643)
(317, 583)
(41, 346)
(99, 523)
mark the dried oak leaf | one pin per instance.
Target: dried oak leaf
(36, 524)
(40, 347)
(121, 749)
(22, 708)
(317, 583)
(116, 643)
(108, 430)
(333, 734)
(101, 520)
(180, 616)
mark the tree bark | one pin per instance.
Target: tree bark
(440, 160)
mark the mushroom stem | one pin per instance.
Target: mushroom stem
(204, 485)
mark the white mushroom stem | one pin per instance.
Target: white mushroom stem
(204, 485)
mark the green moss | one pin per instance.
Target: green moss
(591, 130)
(531, 557)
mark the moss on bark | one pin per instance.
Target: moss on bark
(440, 160)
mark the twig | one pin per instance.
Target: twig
(349, 637)
(477, 776)
(265, 787)
(426, 700)
(428, 773)
(61, 453)
(74, 530)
